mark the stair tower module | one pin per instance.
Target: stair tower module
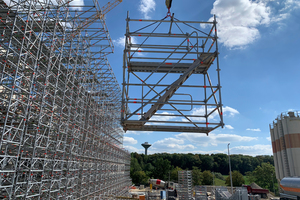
(166, 81)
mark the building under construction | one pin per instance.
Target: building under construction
(59, 104)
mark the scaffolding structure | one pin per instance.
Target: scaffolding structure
(200, 192)
(185, 185)
(59, 104)
(165, 76)
(240, 193)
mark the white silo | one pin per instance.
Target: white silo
(274, 150)
(278, 152)
(284, 159)
(291, 125)
(285, 134)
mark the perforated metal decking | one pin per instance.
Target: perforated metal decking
(166, 85)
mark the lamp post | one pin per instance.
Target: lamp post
(230, 169)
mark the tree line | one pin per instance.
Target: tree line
(166, 166)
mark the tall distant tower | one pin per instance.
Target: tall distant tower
(146, 145)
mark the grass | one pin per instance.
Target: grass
(219, 182)
(246, 178)
(247, 182)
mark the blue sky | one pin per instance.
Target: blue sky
(259, 60)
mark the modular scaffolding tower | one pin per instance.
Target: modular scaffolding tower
(59, 104)
(166, 85)
(185, 185)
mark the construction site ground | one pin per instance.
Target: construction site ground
(153, 194)
(210, 189)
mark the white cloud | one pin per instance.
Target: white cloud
(146, 7)
(133, 149)
(120, 42)
(252, 150)
(162, 118)
(268, 138)
(280, 17)
(77, 4)
(180, 144)
(201, 111)
(229, 127)
(169, 140)
(228, 111)
(137, 132)
(253, 129)
(170, 145)
(287, 7)
(238, 21)
(208, 152)
(129, 140)
(213, 139)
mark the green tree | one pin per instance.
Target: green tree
(220, 163)
(251, 177)
(174, 174)
(264, 176)
(213, 162)
(134, 169)
(219, 176)
(197, 176)
(139, 177)
(161, 169)
(134, 166)
(236, 162)
(207, 178)
(148, 169)
(237, 179)
(207, 162)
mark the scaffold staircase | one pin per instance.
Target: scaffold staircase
(166, 80)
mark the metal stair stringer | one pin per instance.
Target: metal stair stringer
(170, 92)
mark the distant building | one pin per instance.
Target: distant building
(285, 136)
